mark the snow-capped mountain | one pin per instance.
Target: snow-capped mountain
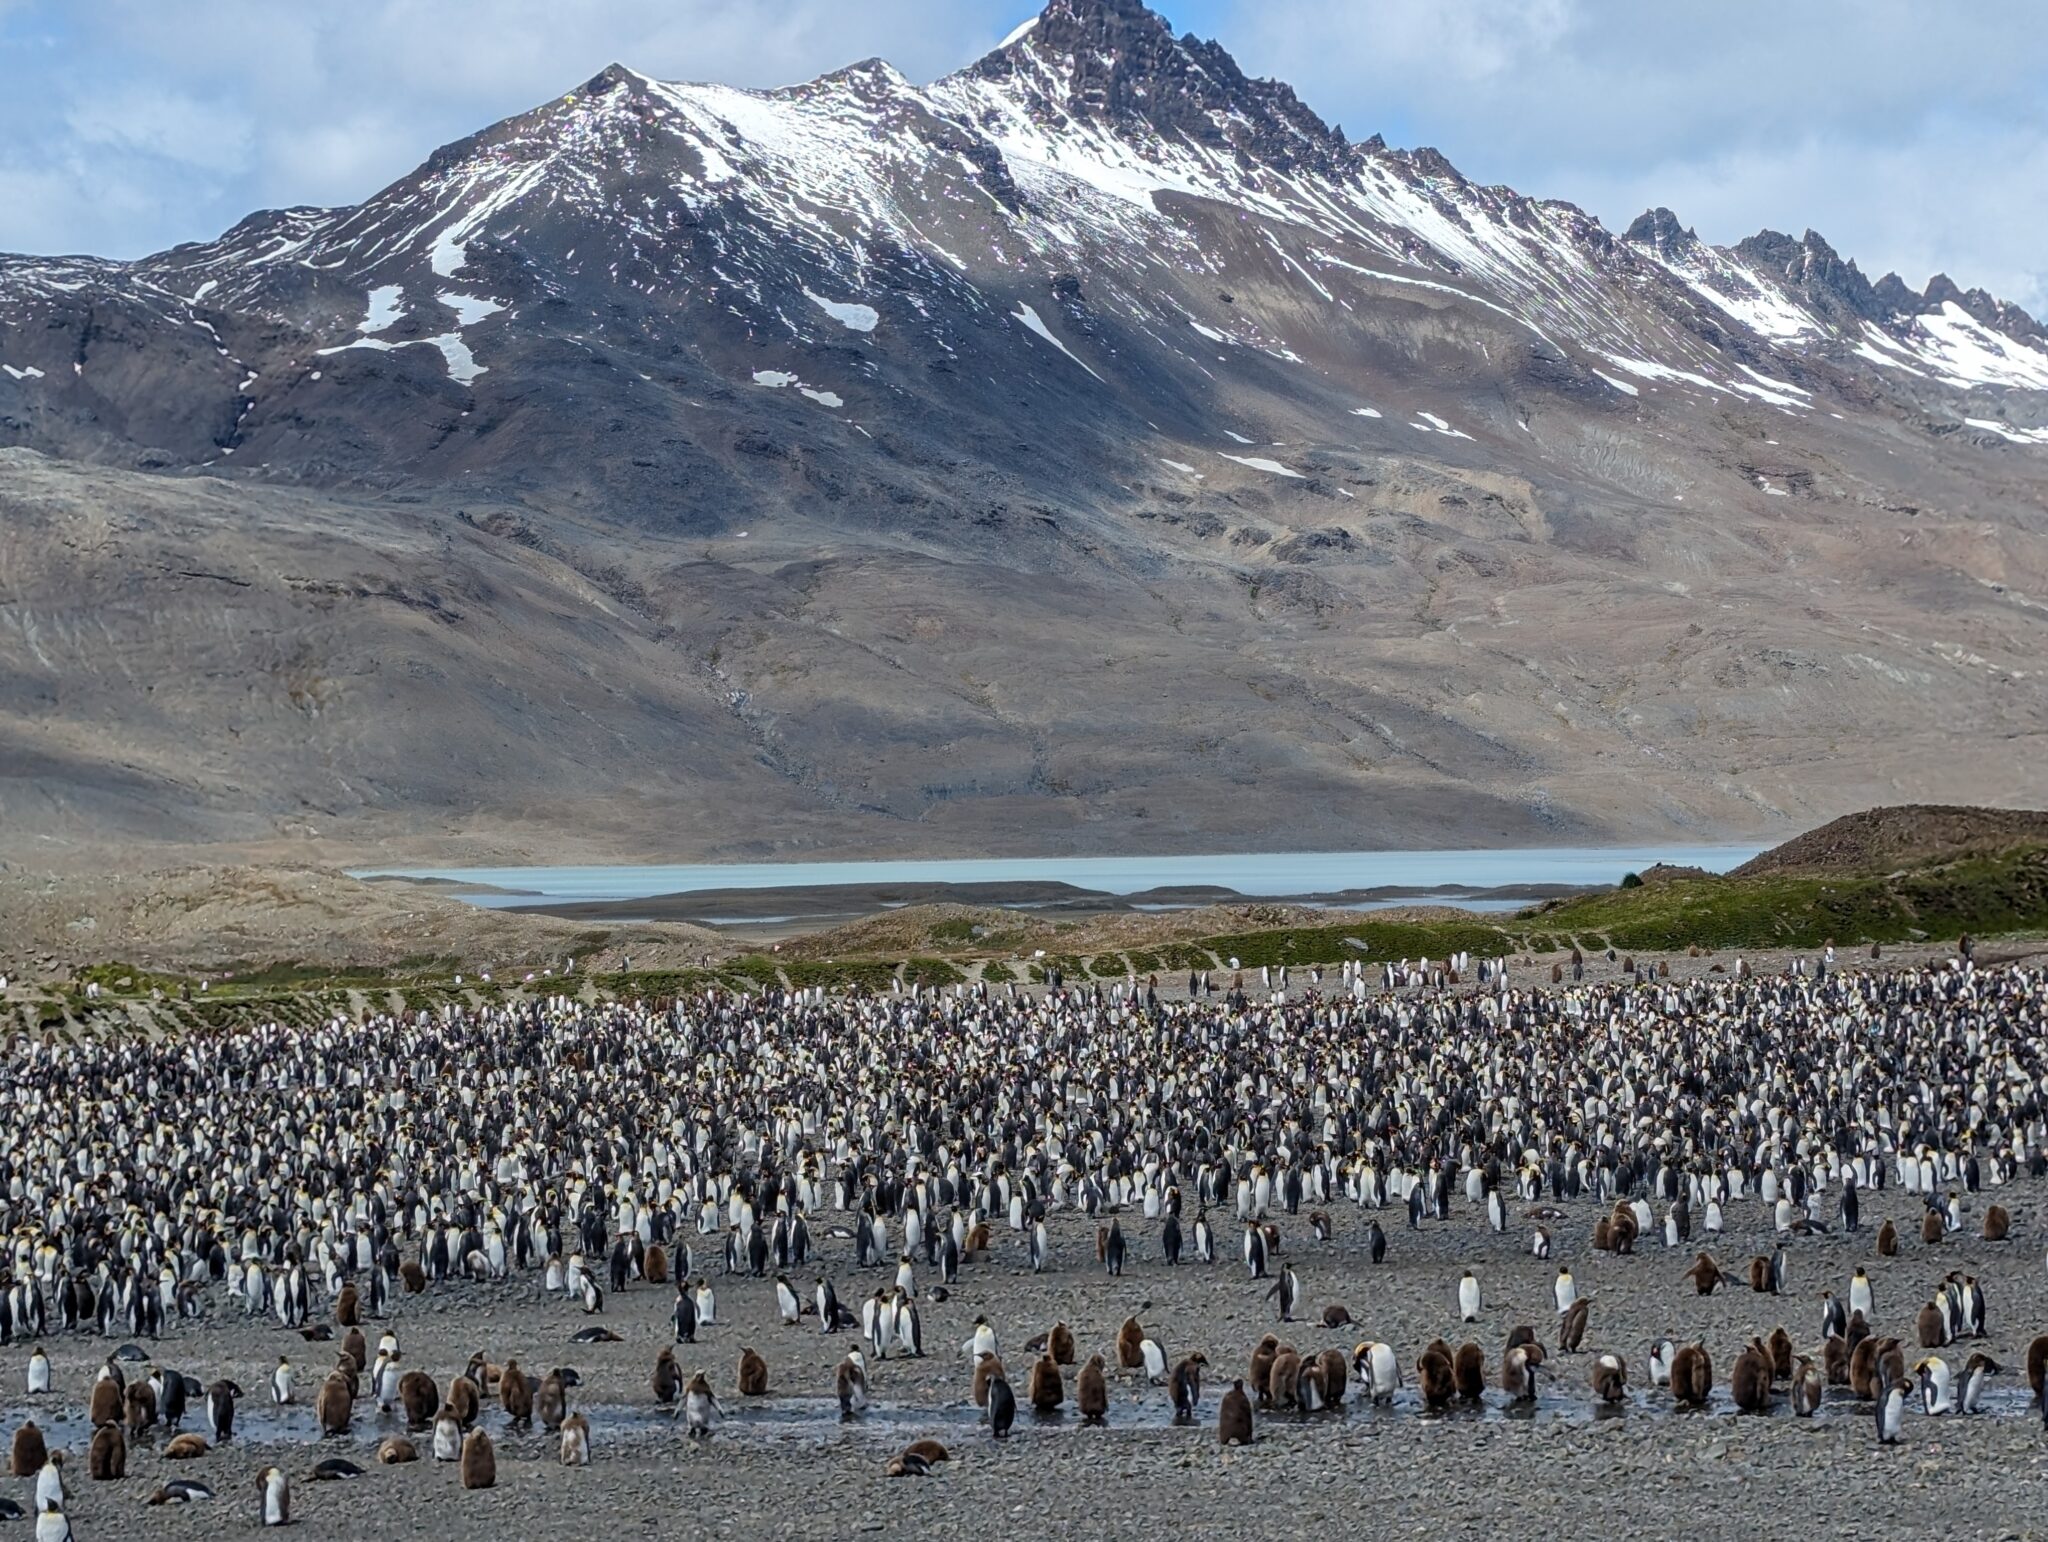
(1102, 309)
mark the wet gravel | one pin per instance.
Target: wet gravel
(786, 1465)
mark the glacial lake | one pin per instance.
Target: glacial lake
(1265, 875)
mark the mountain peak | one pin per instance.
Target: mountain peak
(1119, 62)
(1659, 230)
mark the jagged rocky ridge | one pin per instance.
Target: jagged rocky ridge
(1078, 441)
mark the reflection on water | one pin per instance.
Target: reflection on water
(1253, 874)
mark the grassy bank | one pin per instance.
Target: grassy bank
(1988, 896)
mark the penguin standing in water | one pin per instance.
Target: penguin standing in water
(1468, 1298)
(220, 1411)
(1091, 1392)
(1187, 1387)
(1002, 1406)
(1980, 1367)
(700, 1407)
(1288, 1289)
(1234, 1417)
(851, 1383)
(277, 1497)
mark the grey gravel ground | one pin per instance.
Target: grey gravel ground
(785, 1465)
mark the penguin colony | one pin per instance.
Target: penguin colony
(317, 1180)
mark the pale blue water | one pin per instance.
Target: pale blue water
(1265, 874)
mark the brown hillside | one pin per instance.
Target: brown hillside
(1881, 839)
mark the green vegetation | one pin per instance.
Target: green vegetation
(1983, 895)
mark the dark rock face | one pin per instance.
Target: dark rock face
(947, 461)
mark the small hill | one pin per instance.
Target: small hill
(1910, 835)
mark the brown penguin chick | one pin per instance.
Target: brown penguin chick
(412, 1276)
(30, 1451)
(349, 1371)
(1091, 1392)
(348, 1307)
(107, 1402)
(1760, 1279)
(1997, 1223)
(141, 1407)
(977, 1242)
(1308, 1385)
(395, 1450)
(1692, 1376)
(1603, 1235)
(1931, 1326)
(107, 1457)
(1044, 1388)
(1262, 1366)
(1780, 1346)
(1433, 1375)
(1519, 1335)
(481, 1371)
(1336, 1315)
(1705, 1275)
(419, 1397)
(1891, 1363)
(552, 1401)
(1517, 1378)
(1931, 1228)
(1863, 1368)
(185, 1447)
(1887, 1239)
(1060, 1344)
(930, 1451)
(1808, 1388)
(1571, 1328)
(515, 1393)
(1234, 1417)
(1283, 1379)
(987, 1369)
(1130, 1340)
(654, 1267)
(357, 1348)
(1835, 1360)
(1336, 1377)
(1622, 1231)
(753, 1374)
(334, 1406)
(1468, 1369)
(574, 1449)
(464, 1398)
(667, 1379)
(479, 1461)
(1610, 1378)
(1859, 1330)
(2037, 1364)
(1750, 1381)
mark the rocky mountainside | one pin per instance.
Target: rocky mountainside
(1093, 448)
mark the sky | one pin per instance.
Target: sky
(1913, 136)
